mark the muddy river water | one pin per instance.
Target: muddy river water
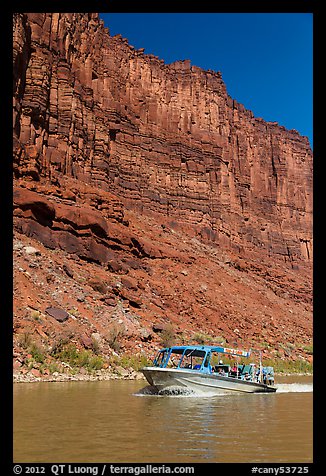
(120, 422)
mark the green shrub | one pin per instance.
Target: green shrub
(36, 315)
(76, 358)
(114, 335)
(136, 362)
(203, 339)
(60, 342)
(309, 349)
(168, 336)
(82, 359)
(53, 367)
(25, 340)
(66, 352)
(37, 353)
(74, 312)
(200, 338)
(95, 362)
(95, 346)
(219, 340)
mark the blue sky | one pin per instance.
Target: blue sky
(266, 59)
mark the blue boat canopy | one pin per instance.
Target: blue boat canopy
(206, 348)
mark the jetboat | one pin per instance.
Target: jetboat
(200, 369)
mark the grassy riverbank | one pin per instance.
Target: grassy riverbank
(69, 363)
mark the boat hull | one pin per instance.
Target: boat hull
(163, 379)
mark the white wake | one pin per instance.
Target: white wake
(294, 387)
(185, 392)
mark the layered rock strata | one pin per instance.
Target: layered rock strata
(167, 139)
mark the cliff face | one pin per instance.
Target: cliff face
(104, 133)
(165, 138)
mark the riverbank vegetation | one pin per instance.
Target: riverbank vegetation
(64, 357)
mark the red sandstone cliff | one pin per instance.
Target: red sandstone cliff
(105, 135)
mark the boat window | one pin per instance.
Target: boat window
(192, 359)
(224, 369)
(174, 358)
(159, 359)
(215, 358)
(206, 362)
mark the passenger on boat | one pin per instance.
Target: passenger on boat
(173, 362)
(247, 376)
(270, 380)
(220, 371)
(257, 374)
(264, 376)
(234, 370)
(241, 367)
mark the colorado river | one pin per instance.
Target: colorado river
(118, 422)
